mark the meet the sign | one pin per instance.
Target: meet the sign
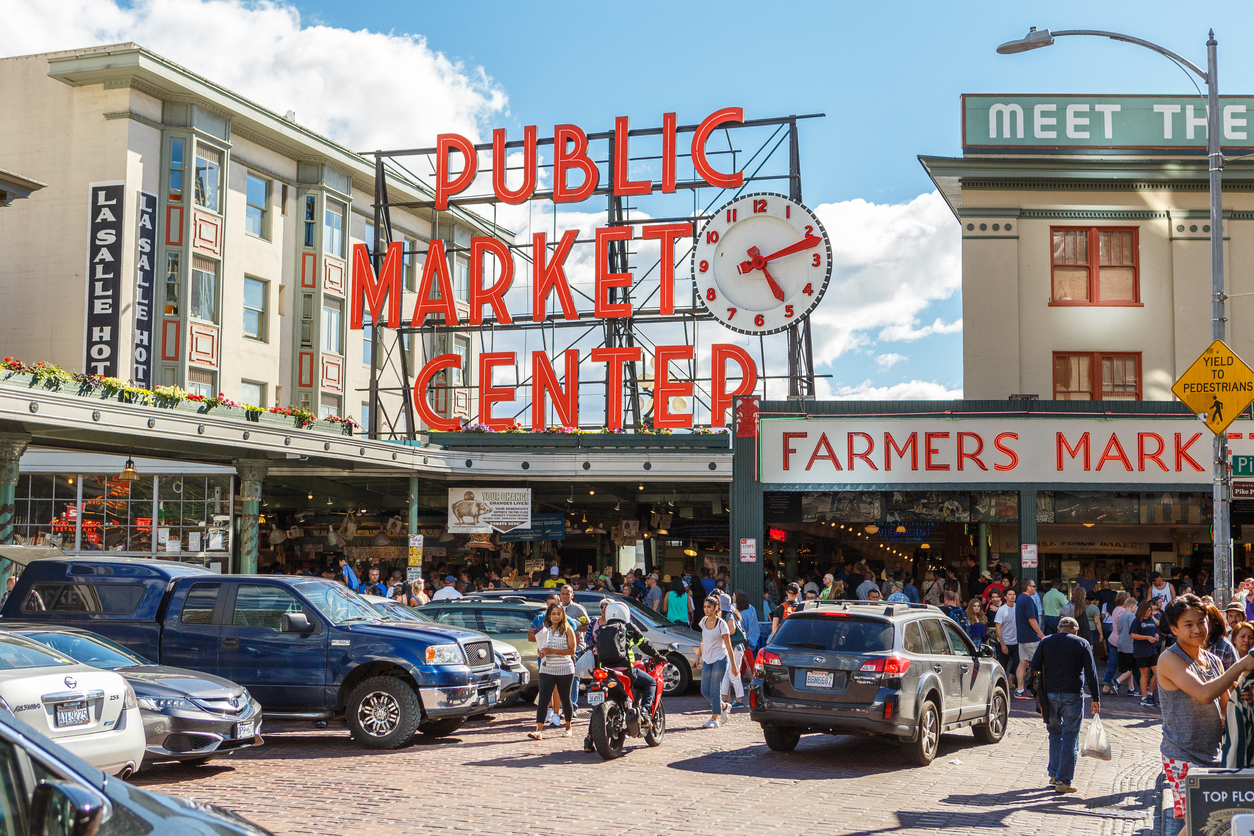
(1134, 123)
(860, 451)
(484, 510)
(104, 280)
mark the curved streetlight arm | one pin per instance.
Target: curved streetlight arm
(1115, 36)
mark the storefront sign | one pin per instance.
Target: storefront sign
(748, 550)
(104, 280)
(1218, 385)
(1212, 800)
(1135, 123)
(1243, 490)
(484, 510)
(1028, 556)
(145, 261)
(924, 451)
(1091, 547)
(415, 550)
(543, 527)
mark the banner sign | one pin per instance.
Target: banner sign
(1213, 798)
(1135, 123)
(543, 527)
(484, 510)
(927, 450)
(145, 283)
(104, 283)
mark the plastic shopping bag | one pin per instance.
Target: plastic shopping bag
(1095, 743)
(585, 665)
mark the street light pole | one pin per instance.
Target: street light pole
(1215, 162)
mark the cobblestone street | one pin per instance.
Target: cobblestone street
(489, 778)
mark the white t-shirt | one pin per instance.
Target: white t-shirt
(712, 647)
(1005, 621)
(446, 593)
(1166, 593)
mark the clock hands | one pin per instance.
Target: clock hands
(757, 261)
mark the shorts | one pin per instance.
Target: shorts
(1150, 661)
(1027, 650)
(1128, 663)
(1175, 772)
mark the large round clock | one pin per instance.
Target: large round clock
(761, 263)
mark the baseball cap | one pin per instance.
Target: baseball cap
(450, 579)
(987, 575)
(553, 570)
(1069, 624)
(792, 587)
(653, 575)
(724, 601)
(1236, 608)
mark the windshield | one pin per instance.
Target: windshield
(396, 612)
(90, 650)
(17, 652)
(337, 604)
(835, 634)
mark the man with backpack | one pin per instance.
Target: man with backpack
(786, 607)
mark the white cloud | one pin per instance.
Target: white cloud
(890, 262)
(363, 89)
(906, 391)
(887, 361)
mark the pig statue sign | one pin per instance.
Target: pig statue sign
(484, 510)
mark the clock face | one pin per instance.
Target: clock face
(761, 263)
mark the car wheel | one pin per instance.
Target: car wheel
(781, 738)
(441, 728)
(383, 713)
(676, 676)
(923, 749)
(999, 710)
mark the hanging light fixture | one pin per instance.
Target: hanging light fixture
(128, 473)
(382, 539)
(591, 492)
(585, 516)
(640, 487)
(571, 498)
(901, 529)
(330, 501)
(618, 506)
(690, 551)
(924, 546)
(871, 528)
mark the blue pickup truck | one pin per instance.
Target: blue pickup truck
(307, 648)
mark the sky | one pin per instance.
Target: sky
(887, 76)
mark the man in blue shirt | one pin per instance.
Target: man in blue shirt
(1063, 660)
(373, 586)
(912, 591)
(1029, 631)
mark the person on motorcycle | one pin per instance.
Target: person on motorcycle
(618, 644)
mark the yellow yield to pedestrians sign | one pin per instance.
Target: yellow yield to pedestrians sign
(1218, 385)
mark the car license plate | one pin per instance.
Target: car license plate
(244, 731)
(492, 698)
(526, 677)
(820, 679)
(71, 714)
(595, 697)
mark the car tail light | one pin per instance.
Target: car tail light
(765, 657)
(130, 701)
(889, 666)
(600, 674)
(753, 699)
(889, 706)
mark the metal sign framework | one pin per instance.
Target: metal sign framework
(761, 164)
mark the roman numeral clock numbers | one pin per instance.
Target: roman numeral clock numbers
(761, 263)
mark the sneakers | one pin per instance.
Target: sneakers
(587, 744)
(726, 707)
(1147, 701)
(1132, 692)
(554, 719)
(710, 724)
(739, 704)
(1063, 787)
(565, 732)
(1022, 695)
(722, 719)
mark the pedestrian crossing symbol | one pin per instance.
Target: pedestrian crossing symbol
(1217, 387)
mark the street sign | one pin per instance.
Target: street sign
(1028, 556)
(1243, 465)
(1218, 386)
(748, 550)
(1243, 490)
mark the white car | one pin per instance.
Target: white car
(91, 712)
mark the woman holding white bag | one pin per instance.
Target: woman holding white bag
(731, 680)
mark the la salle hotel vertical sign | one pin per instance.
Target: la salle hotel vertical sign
(104, 288)
(145, 280)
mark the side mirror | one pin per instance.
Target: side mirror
(296, 622)
(63, 809)
(988, 651)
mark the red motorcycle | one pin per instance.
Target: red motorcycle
(616, 716)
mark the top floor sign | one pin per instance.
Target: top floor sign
(1125, 123)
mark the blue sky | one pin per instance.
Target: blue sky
(888, 75)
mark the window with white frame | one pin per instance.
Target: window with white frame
(332, 326)
(253, 393)
(208, 177)
(204, 295)
(333, 229)
(203, 382)
(257, 214)
(329, 405)
(256, 292)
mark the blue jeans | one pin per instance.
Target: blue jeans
(1065, 713)
(712, 674)
(1112, 664)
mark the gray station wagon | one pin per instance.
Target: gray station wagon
(905, 671)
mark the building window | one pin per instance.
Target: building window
(306, 401)
(329, 405)
(411, 265)
(367, 339)
(252, 393)
(369, 238)
(461, 279)
(365, 416)
(172, 283)
(204, 289)
(1094, 266)
(255, 293)
(306, 321)
(311, 219)
(257, 217)
(208, 177)
(202, 382)
(1096, 376)
(333, 229)
(461, 347)
(176, 169)
(332, 322)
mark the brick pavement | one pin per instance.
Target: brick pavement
(489, 779)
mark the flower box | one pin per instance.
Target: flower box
(533, 441)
